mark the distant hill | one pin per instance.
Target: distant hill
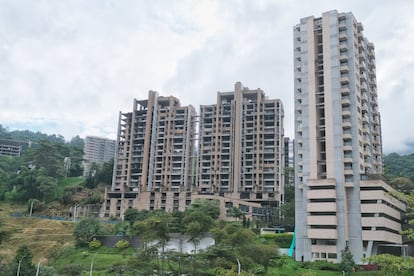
(399, 166)
(34, 137)
(26, 135)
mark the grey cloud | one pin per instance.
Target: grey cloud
(77, 63)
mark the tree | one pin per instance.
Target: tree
(209, 207)
(197, 224)
(262, 254)
(154, 228)
(347, 260)
(132, 215)
(393, 265)
(409, 215)
(47, 186)
(48, 156)
(85, 230)
(402, 184)
(77, 142)
(232, 234)
(396, 165)
(154, 232)
(23, 261)
(236, 213)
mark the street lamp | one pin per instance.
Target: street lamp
(18, 267)
(91, 270)
(38, 267)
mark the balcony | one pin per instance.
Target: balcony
(380, 235)
(322, 207)
(329, 234)
(321, 220)
(317, 194)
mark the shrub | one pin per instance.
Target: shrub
(71, 270)
(324, 265)
(11, 196)
(122, 244)
(37, 205)
(95, 244)
(283, 240)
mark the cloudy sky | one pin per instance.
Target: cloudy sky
(68, 67)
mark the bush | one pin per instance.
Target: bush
(71, 270)
(324, 265)
(37, 205)
(11, 196)
(122, 244)
(95, 244)
(283, 240)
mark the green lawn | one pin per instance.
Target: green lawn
(103, 258)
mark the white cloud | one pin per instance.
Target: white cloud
(69, 67)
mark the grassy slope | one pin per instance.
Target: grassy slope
(68, 183)
(43, 237)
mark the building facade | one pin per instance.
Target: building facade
(13, 148)
(338, 143)
(240, 149)
(97, 150)
(154, 163)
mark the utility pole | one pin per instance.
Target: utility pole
(18, 267)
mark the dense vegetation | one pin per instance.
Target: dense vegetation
(43, 180)
(44, 171)
(396, 166)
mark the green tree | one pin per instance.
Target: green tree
(23, 261)
(235, 212)
(209, 207)
(85, 230)
(132, 215)
(46, 186)
(154, 229)
(286, 211)
(403, 184)
(347, 260)
(261, 254)
(232, 234)
(77, 142)
(396, 165)
(392, 265)
(48, 156)
(197, 224)
(409, 215)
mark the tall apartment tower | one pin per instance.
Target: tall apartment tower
(97, 150)
(154, 159)
(241, 154)
(340, 198)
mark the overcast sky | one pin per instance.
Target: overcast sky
(69, 67)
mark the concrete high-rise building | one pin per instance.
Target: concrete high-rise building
(340, 198)
(241, 156)
(97, 150)
(154, 163)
